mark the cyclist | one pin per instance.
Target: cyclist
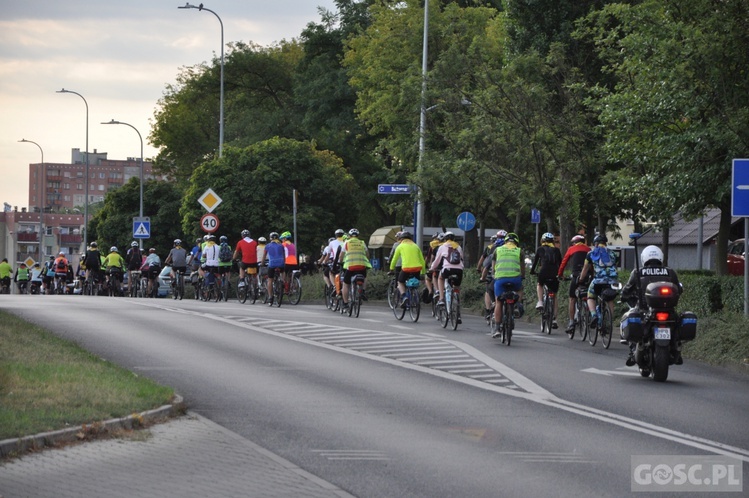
(115, 265)
(177, 258)
(498, 240)
(291, 262)
(602, 263)
(22, 277)
(261, 263)
(246, 254)
(355, 262)
(61, 267)
(276, 255)
(5, 273)
(335, 247)
(437, 240)
(195, 254)
(549, 257)
(48, 275)
(325, 262)
(209, 259)
(450, 257)
(225, 256)
(133, 261)
(412, 260)
(508, 268)
(92, 261)
(575, 255)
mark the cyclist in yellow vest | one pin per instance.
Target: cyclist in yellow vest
(412, 263)
(355, 262)
(508, 269)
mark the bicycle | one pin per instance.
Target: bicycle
(392, 291)
(605, 325)
(449, 312)
(179, 285)
(293, 287)
(508, 298)
(412, 303)
(23, 286)
(210, 290)
(582, 324)
(547, 311)
(224, 287)
(134, 283)
(115, 282)
(356, 290)
(278, 291)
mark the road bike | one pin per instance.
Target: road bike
(392, 291)
(409, 302)
(356, 291)
(179, 284)
(210, 290)
(547, 310)
(293, 287)
(449, 311)
(134, 283)
(507, 299)
(581, 319)
(249, 289)
(605, 325)
(278, 290)
(224, 286)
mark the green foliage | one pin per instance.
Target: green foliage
(256, 185)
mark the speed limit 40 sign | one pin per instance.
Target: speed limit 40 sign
(209, 222)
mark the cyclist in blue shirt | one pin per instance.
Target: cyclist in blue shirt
(276, 255)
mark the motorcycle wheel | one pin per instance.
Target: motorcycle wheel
(660, 363)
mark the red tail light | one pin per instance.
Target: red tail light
(662, 316)
(665, 291)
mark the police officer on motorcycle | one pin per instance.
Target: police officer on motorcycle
(652, 270)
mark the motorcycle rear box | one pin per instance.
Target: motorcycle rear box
(687, 326)
(662, 295)
(632, 326)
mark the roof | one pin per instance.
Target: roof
(383, 237)
(684, 233)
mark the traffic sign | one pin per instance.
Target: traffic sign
(466, 221)
(385, 188)
(141, 227)
(740, 188)
(535, 216)
(209, 222)
(210, 200)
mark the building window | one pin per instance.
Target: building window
(67, 186)
(79, 174)
(78, 199)
(101, 187)
(66, 198)
(79, 186)
(66, 174)
(102, 175)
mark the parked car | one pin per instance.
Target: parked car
(165, 282)
(736, 257)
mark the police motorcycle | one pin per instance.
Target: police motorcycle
(657, 331)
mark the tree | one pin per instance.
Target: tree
(256, 185)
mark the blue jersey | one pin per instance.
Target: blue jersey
(276, 255)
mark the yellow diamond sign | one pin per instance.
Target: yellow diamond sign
(209, 200)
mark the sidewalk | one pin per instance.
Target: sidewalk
(185, 456)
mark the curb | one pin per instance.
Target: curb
(18, 446)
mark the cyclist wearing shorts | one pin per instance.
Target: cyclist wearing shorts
(325, 261)
(225, 256)
(575, 256)
(355, 262)
(437, 240)
(177, 258)
(276, 256)
(549, 257)
(153, 263)
(601, 263)
(412, 260)
(450, 257)
(209, 259)
(114, 264)
(508, 269)
(92, 262)
(291, 262)
(246, 254)
(335, 247)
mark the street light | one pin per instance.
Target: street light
(221, 107)
(41, 201)
(141, 166)
(419, 228)
(85, 201)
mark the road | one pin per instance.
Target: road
(381, 407)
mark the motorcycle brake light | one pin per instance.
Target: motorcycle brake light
(665, 291)
(661, 316)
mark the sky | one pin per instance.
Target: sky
(120, 56)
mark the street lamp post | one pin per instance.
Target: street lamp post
(140, 211)
(85, 200)
(419, 228)
(41, 194)
(221, 98)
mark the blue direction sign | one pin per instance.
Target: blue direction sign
(535, 216)
(740, 188)
(142, 228)
(385, 188)
(466, 221)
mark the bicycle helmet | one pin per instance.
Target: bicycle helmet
(177, 242)
(198, 241)
(223, 238)
(651, 256)
(273, 236)
(63, 254)
(339, 232)
(111, 249)
(441, 237)
(152, 250)
(493, 238)
(577, 238)
(206, 236)
(600, 239)
(448, 236)
(286, 235)
(501, 234)
(547, 237)
(406, 235)
(245, 233)
(133, 244)
(353, 232)
(93, 245)
(262, 240)
(512, 237)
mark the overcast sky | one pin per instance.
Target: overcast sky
(119, 55)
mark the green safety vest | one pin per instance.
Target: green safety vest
(507, 262)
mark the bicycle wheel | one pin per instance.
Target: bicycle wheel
(607, 327)
(180, 287)
(225, 288)
(295, 290)
(358, 300)
(392, 293)
(507, 323)
(242, 291)
(277, 292)
(593, 332)
(327, 295)
(398, 310)
(442, 316)
(454, 310)
(414, 307)
(351, 299)
(547, 315)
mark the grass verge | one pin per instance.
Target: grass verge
(47, 383)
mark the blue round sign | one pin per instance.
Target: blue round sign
(466, 221)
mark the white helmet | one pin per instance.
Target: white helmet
(651, 254)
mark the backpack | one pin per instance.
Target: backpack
(603, 264)
(550, 258)
(453, 256)
(62, 267)
(224, 253)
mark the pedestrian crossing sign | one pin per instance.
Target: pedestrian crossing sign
(141, 228)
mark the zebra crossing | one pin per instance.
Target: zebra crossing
(423, 351)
